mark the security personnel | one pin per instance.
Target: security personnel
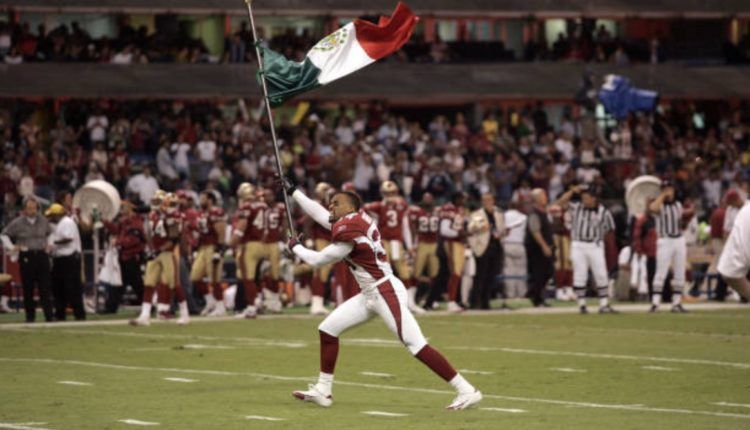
(27, 234)
(65, 244)
(590, 222)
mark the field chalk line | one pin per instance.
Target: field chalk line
(138, 422)
(384, 414)
(262, 418)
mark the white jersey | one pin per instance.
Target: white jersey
(735, 258)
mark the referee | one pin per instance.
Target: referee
(671, 249)
(590, 222)
(27, 234)
(65, 243)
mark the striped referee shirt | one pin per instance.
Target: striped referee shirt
(669, 219)
(590, 225)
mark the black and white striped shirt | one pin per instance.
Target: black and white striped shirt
(669, 220)
(590, 225)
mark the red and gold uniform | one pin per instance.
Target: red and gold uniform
(453, 218)
(251, 241)
(165, 233)
(427, 225)
(273, 235)
(207, 239)
(561, 222)
(393, 223)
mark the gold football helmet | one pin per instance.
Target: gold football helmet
(246, 191)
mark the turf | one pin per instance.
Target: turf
(245, 368)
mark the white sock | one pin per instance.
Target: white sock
(162, 307)
(603, 301)
(411, 296)
(656, 298)
(676, 299)
(220, 306)
(4, 301)
(210, 300)
(145, 311)
(461, 385)
(581, 301)
(184, 309)
(325, 383)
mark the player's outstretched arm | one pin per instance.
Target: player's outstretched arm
(330, 254)
(312, 208)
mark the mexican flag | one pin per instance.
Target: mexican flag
(341, 53)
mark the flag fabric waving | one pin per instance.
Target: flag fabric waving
(348, 49)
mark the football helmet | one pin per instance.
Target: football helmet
(157, 199)
(171, 203)
(246, 191)
(323, 190)
(388, 189)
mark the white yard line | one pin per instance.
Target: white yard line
(185, 380)
(733, 405)
(475, 372)
(202, 346)
(512, 411)
(23, 426)
(262, 418)
(138, 422)
(605, 356)
(660, 368)
(377, 374)
(624, 308)
(77, 383)
(635, 408)
(568, 370)
(384, 414)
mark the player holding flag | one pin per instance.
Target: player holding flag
(356, 240)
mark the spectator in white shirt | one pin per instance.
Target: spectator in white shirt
(164, 162)
(97, 126)
(181, 161)
(143, 185)
(123, 57)
(206, 151)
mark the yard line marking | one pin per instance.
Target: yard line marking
(384, 414)
(636, 408)
(512, 411)
(138, 422)
(568, 370)
(186, 380)
(82, 384)
(23, 426)
(660, 368)
(475, 372)
(734, 405)
(201, 346)
(606, 356)
(262, 418)
(382, 375)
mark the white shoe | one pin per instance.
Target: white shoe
(183, 320)
(317, 307)
(208, 309)
(249, 313)
(314, 395)
(417, 310)
(5, 309)
(219, 310)
(142, 322)
(454, 307)
(465, 401)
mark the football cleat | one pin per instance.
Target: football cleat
(208, 309)
(142, 322)
(313, 395)
(465, 401)
(249, 313)
(454, 307)
(678, 309)
(583, 310)
(219, 310)
(653, 309)
(607, 310)
(416, 309)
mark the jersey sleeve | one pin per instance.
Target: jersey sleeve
(244, 212)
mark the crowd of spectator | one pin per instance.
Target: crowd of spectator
(20, 43)
(139, 146)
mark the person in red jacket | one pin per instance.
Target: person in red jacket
(129, 237)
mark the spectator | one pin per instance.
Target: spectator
(143, 185)
(97, 126)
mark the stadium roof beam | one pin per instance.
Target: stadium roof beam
(438, 8)
(407, 84)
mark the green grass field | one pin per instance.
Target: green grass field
(562, 371)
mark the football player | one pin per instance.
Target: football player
(273, 235)
(211, 227)
(356, 240)
(453, 233)
(426, 221)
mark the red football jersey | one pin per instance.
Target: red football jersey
(456, 215)
(160, 225)
(255, 214)
(274, 223)
(368, 260)
(428, 223)
(191, 219)
(390, 215)
(205, 225)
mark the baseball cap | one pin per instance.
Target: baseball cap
(55, 209)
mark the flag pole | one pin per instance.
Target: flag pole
(269, 111)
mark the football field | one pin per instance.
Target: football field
(537, 371)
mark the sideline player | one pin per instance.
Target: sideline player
(211, 227)
(273, 235)
(591, 221)
(734, 262)
(248, 234)
(453, 234)
(426, 222)
(356, 240)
